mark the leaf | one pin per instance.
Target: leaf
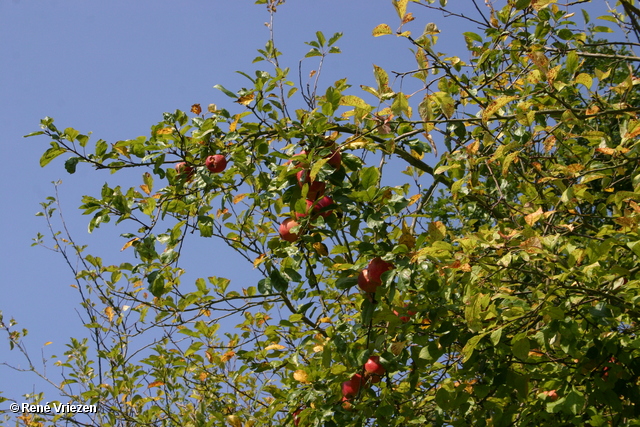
(225, 91)
(246, 99)
(51, 154)
(301, 376)
(382, 30)
(109, 312)
(238, 198)
(520, 348)
(196, 109)
(584, 79)
(532, 218)
(401, 7)
(369, 177)
(129, 243)
(155, 384)
(494, 106)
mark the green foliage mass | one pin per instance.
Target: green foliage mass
(514, 294)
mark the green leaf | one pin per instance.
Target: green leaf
(71, 163)
(51, 154)
(369, 177)
(225, 91)
(520, 348)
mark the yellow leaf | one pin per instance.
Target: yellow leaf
(259, 260)
(227, 356)
(48, 343)
(533, 217)
(495, 106)
(246, 99)
(138, 283)
(414, 199)
(129, 243)
(325, 320)
(397, 347)
(155, 384)
(321, 248)
(196, 109)
(234, 421)
(212, 108)
(274, 347)
(541, 4)
(381, 30)
(301, 376)
(145, 188)
(164, 131)
(238, 198)
(407, 237)
(407, 18)
(110, 313)
(318, 349)
(203, 376)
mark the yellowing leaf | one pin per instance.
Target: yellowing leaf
(414, 199)
(533, 217)
(493, 108)
(129, 243)
(109, 312)
(397, 347)
(164, 131)
(238, 198)
(212, 108)
(401, 7)
(275, 347)
(541, 4)
(145, 188)
(325, 320)
(301, 376)
(234, 421)
(246, 99)
(318, 349)
(407, 18)
(321, 248)
(48, 343)
(381, 30)
(227, 356)
(407, 237)
(196, 109)
(584, 79)
(155, 384)
(259, 260)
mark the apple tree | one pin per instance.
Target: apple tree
(498, 285)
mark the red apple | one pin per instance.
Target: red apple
(216, 163)
(335, 159)
(285, 230)
(296, 419)
(184, 170)
(365, 283)
(376, 267)
(323, 203)
(316, 188)
(374, 368)
(350, 388)
(551, 394)
(404, 317)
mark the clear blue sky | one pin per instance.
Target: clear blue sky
(112, 68)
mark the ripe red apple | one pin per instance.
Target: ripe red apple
(365, 283)
(316, 188)
(216, 163)
(403, 317)
(376, 267)
(551, 394)
(350, 388)
(297, 164)
(323, 203)
(296, 419)
(285, 230)
(306, 212)
(374, 368)
(184, 170)
(335, 159)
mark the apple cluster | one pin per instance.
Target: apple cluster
(215, 164)
(317, 202)
(373, 372)
(371, 277)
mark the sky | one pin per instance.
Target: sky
(112, 68)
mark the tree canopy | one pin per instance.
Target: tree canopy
(497, 286)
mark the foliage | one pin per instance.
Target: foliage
(514, 294)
